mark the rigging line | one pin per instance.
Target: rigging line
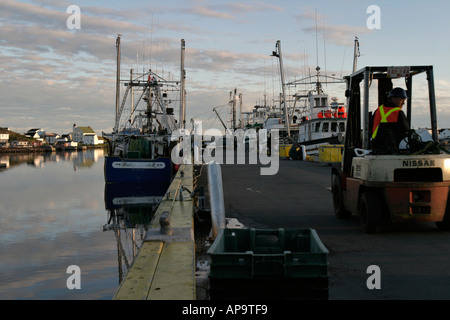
(212, 121)
(195, 117)
(324, 47)
(317, 43)
(343, 61)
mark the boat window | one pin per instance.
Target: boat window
(317, 102)
(317, 127)
(334, 127)
(325, 127)
(342, 126)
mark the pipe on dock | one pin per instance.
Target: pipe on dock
(303, 152)
(217, 203)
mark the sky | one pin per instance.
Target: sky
(53, 76)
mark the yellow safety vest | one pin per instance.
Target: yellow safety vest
(383, 119)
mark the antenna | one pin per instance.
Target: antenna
(151, 43)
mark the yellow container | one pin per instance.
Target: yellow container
(330, 153)
(284, 150)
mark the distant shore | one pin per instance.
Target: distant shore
(47, 148)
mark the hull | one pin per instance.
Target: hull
(312, 147)
(318, 132)
(119, 170)
(131, 195)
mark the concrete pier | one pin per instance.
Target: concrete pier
(164, 268)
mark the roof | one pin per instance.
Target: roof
(86, 129)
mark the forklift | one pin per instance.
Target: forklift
(405, 182)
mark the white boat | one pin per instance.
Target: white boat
(321, 121)
(313, 118)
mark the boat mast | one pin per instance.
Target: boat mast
(117, 80)
(182, 92)
(356, 54)
(233, 108)
(286, 115)
(149, 102)
(318, 85)
(241, 121)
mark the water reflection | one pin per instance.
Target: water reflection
(52, 213)
(56, 211)
(130, 210)
(80, 159)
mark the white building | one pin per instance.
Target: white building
(35, 133)
(85, 135)
(4, 138)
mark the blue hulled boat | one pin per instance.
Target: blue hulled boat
(140, 144)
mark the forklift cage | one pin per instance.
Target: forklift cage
(358, 131)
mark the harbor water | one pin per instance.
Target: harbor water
(56, 212)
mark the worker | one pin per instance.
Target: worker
(391, 113)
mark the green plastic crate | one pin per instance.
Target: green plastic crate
(268, 253)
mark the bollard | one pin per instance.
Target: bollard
(165, 223)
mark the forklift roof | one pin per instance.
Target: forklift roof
(383, 72)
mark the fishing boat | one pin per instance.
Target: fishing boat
(321, 118)
(311, 116)
(140, 144)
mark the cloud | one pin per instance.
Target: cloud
(337, 34)
(210, 13)
(231, 11)
(239, 7)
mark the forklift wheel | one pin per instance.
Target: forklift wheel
(338, 200)
(370, 212)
